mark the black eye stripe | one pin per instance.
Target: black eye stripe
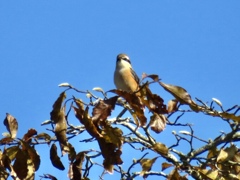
(125, 59)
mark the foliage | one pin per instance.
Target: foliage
(216, 159)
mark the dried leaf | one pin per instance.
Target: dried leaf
(28, 136)
(166, 166)
(103, 109)
(227, 154)
(11, 124)
(113, 135)
(154, 77)
(135, 103)
(146, 165)
(174, 175)
(172, 106)
(153, 102)
(56, 162)
(86, 120)
(6, 140)
(160, 149)
(210, 174)
(76, 167)
(111, 151)
(158, 122)
(178, 92)
(58, 117)
(33, 156)
(44, 136)
(20, 165)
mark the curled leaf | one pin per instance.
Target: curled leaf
(146, 165)
(56, 162)
(11, 124)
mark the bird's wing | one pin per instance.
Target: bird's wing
(135, 76)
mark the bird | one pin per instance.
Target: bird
(125, 77)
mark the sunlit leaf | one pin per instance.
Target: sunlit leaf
(154, 77)
(178, 92)
(56, 162)
(146, 165)
(33, 155)
(227, 154)
(158, 122)
(166, 166)
(11, 124)
(174, 175)
(172, 106)
(208, 173)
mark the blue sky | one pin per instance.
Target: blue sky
(194, 44)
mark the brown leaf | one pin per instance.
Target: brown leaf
(160, 149)
(20, 165)
(6, 140)
(28, 136)
(172, 106)
(58, 117)
(86, 120)
(110, 151)
(11, 124)
(103, 109)
(158, 122)
(76, 167)
(33, 155)
(166, 166)
(209, 173)
(113, 135)
(152, 101)
(227, 154)
(135, 103)
(178, 92)
(174, 175)
(44, 136)
(56, 162)
(146, 165)
(154, 77)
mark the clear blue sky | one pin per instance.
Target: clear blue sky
(194, 44)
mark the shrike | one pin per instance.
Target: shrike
(124, 76)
